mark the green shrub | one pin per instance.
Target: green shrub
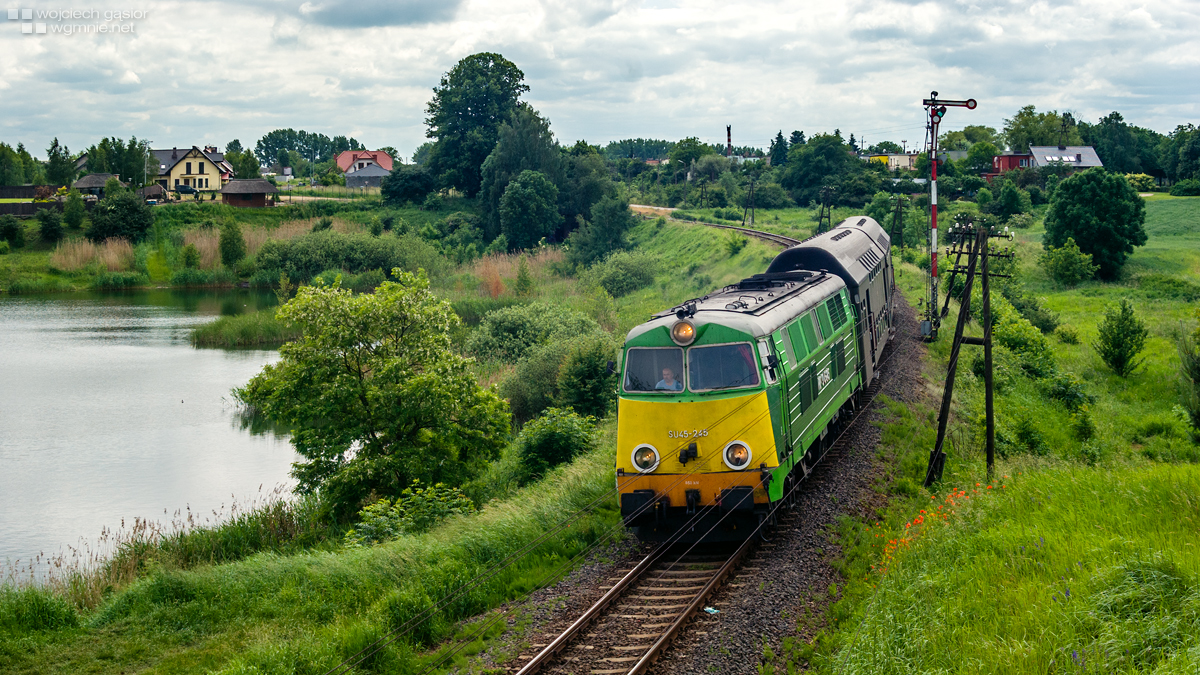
(1189, 376)
(1016, 333)
(306, 256)
(533, 386)
(1140, 181)
(417, 509)
(1068, 388)
(1037, 196)
(552, 439)
(232, 244)
(622, 273)
(472, 310)
(120, 214)
(734, 243)
(322, 224)
(4, 247)
(190, 257)
(1023, 438)
(1067, 335)
(525, 286)
(983, 197)
(74, 210)
(1121, 338)
(12, 231)
(50, 227)
(509, 333)
(1067, 265)
(433, 202)
(1020, 221)
(1083, 428)
(1186, 188)
(585, 384)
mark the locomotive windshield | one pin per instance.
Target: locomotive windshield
(722, 367)
(654, 369)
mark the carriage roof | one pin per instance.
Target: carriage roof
(851, 250)
(758, 305)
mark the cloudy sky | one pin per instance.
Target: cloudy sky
(196, 72)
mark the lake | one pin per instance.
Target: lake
(107, 413)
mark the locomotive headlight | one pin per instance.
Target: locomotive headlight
(683, 332)
(736, 455)
(645, 458)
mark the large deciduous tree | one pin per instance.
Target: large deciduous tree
(1029, 127)
(524, 143)
(375, 394)
(528, 209)
(823, 160)
(245, 164)
(1103, 213)
(464, 116)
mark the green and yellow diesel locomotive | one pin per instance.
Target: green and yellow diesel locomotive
(726, 401)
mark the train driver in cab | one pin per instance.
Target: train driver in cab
(668, 381)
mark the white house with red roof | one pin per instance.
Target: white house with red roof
(350, 161)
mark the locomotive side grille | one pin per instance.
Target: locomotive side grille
(841, 235)
(883, 242)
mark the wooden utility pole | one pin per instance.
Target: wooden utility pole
(972, 241)
(825, 219)
(898, 222)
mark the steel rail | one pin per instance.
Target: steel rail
(550, 650)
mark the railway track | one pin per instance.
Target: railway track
(641, 612)
(770, 237)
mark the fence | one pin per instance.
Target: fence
(22, 191)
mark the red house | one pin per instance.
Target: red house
(353, 160)
(1002, 163)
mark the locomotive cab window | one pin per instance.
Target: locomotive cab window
(722, 367)
(654, 369)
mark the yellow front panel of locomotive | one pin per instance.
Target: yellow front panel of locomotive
(670, 426)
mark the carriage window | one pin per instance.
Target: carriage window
(722, 367)
(654, 369)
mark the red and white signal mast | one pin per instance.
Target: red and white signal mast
(937, 109)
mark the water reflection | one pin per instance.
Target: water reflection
(107, 412)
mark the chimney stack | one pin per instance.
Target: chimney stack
(728, 140)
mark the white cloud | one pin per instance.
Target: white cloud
(208, 72)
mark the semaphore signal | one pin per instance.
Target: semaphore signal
(937, 109)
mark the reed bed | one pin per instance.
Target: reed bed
(493, 270)
(207, 241)
(114, 255)
(85, 574)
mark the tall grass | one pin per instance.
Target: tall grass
(1063, 570)
(114, 255)
(87, 574)
(256, 329)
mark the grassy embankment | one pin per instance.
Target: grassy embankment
(1081, 555)
(274, 593)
